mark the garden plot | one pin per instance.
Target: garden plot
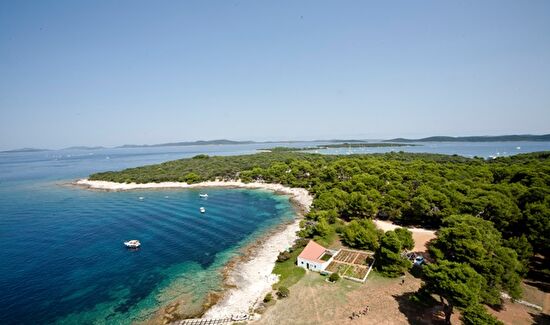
(353, 265)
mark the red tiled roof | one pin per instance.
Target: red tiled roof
(313, 252)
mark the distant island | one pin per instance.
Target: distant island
(333, 143)
(187, 143)
(85, 148)
(367, 145)
(341, 145)
(498, 138)
(24, 150)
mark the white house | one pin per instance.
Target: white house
(315, 257)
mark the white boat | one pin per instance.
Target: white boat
(204, 196)
(132, 243)
(518, 148)
(141, 198)
(202, 209)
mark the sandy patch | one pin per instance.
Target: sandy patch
(421, 236)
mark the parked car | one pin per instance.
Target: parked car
(419, 260)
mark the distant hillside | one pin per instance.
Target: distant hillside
(187, 143)
(24, 150)
(525, 137)
(339, 145)
(84, 148)
(341, 141)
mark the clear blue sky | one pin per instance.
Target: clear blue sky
(116, 72)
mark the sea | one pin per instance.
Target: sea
(62, 258)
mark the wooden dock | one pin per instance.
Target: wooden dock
(205, 321)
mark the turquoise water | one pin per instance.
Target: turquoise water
(62, 259)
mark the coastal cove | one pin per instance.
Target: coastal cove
(247, 276)
(186, 258)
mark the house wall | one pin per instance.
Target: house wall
(313, 266)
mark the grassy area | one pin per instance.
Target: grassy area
(288, 272)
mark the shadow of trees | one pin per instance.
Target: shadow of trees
(539, 274)
(418, 312)
(540, 319)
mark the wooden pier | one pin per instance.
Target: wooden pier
(205, 321)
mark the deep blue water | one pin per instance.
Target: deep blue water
(61, 253)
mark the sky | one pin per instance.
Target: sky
(144, 72)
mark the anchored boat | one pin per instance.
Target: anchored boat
(204, 196)
(202, 209)
(132, 243)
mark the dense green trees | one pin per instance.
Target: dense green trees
(415, 189)
(390, 260)
(475, 242)
(361, 234)
(457, 284)
(358, 206)
(405, 237)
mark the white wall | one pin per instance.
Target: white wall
(313, 266)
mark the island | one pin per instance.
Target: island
(499, 138)
(187, 143)
(394, 229)
(348, 145)
(24, 150)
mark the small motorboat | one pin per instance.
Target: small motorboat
(141, 198)
(204, 196)
(132, 243)
(202, 209)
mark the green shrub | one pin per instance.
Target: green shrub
(283, 256)
(283, 292)
(334, 277)
(268, 297)
(300, 242)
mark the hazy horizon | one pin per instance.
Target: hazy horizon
(108, 74)
(275, 140)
